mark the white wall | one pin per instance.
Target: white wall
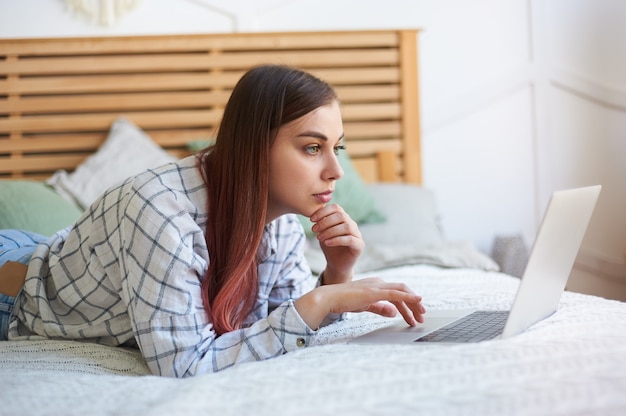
(519, 98)
(585, 132)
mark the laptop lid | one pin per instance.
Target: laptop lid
(552, 257)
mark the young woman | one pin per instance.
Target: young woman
(200, 263)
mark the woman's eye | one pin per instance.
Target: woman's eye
(313, 149)
(338, 148)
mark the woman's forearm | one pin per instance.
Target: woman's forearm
(313, 307)
(331, 277)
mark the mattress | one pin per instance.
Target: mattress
(571, 363)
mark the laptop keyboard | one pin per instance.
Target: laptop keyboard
(475, 327)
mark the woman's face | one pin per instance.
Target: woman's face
(303, 163)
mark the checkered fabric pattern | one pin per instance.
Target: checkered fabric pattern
(128, 273)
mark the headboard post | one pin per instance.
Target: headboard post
(410, 106)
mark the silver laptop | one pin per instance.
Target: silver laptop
(549, 265)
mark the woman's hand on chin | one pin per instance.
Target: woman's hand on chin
(340, 241)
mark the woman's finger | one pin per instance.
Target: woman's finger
(385, 309)
(408, 314)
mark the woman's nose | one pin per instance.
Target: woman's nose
(334, 170)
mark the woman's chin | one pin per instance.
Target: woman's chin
(309, 212)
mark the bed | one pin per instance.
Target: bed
(76, 112)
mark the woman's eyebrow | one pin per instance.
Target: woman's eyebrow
(313, 134)
(318, 135)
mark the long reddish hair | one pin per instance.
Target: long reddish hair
(236, 172)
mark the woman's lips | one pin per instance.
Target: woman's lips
(324, 196)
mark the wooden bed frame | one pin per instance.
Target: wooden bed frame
(58, 97)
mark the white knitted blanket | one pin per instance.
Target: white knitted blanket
(572, 363)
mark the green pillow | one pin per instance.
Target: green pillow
(353, 196)
(33, 206)
(200, 144)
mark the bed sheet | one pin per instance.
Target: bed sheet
(572, 363)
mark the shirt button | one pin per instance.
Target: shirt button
(300, 342)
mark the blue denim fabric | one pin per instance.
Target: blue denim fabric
(18, 246)
(6, 307)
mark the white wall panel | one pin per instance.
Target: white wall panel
(587, 140)
(588, 146)
(482, 168)
(588, 37)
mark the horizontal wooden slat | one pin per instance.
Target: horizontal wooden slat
(92, 122)
(372, 147)
(168, 63)
(35, 176)
(53, 143)
(157, 100)
(166, 138)
(162, 101)
(358, 75)
(371, 111)
(365, 93)
(180, 137)
(374, 129)
(188, 118)
(41, 162)
(176, 43)
(76, 142)
(178, 81)
(117, 83)
(49, 163)
(114, 102)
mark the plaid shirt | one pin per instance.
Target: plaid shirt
(128, 273)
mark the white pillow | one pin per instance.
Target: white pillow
(127, 151)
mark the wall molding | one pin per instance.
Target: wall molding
(611, 96)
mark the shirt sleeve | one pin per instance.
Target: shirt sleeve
(183, 346)
(164, 259)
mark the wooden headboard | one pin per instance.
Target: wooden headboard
(58, 97)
